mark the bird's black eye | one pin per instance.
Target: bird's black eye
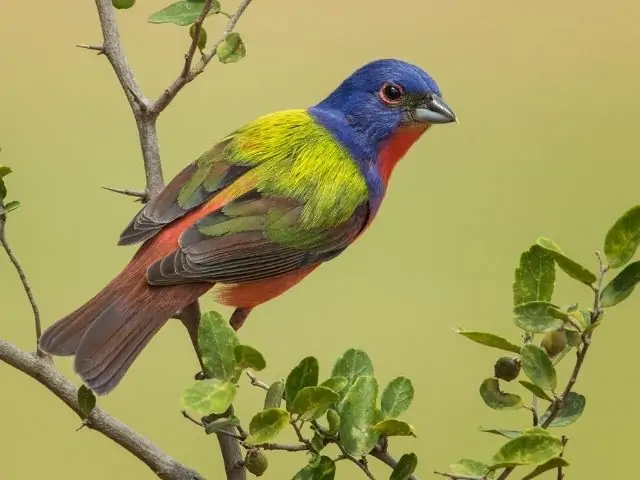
(391, 93)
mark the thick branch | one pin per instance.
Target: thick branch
(42, 371)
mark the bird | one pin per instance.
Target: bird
(254, 215)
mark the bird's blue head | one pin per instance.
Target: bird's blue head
(383, 96)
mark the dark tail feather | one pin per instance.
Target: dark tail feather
(108, 333)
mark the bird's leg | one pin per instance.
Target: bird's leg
(238, 317)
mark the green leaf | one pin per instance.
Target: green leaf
(313, 402)
(394, 428)
(538, 367)
(502, 432)
(249, 357)
(325, 469)
(209, 396)
(536, 390)
(273, 398)
(217, 341)
(337, 384)
(538, 317)
(490, 340)
(333, 419)
(570, 267)
(352, 364)
(220, 424)
(621, 286)
(534, 449)
(317, 442)
(405, 467)
(572, 409)
(202, 37)
(357, 416)
(232, 49)
(466, 466)
(86, 398)
(4, 171)
(182, 13)
(552, 464)
(10, 206)
(396, 397)
(496, 399)
(305, 374)
(535, 276)
(623, 238)
(266, 425)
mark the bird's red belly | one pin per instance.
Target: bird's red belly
(252, 294)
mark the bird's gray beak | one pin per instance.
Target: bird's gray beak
(434, 110)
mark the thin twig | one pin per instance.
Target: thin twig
(363, 466)
(178, 84)
(23, 279)
(191, 419)
(141, 196)
(96, 48)
(278, 446)
(188, 58)
(255, 382)
(43, 372)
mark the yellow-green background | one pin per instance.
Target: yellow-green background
(548, 96)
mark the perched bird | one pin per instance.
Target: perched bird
(254, 215)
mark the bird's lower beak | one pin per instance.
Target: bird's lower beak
(435, 110)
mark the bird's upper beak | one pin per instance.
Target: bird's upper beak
(434, 110)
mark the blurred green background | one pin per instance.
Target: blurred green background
(548, 97)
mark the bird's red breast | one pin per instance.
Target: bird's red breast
(396, 147)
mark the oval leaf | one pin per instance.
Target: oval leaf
(86, 400)
(337, 384)
(538, 367)
(352, 364)
(305, 374)
(4, 171)
(623, 238)
(182, 13)
(209, 396)
(394, 428)
(537, 317)
(502, 432)
(621, 286)
(217, 342)
(220, 424)
(313, 402)
(536, 390)
(273, 398)
(535, 276)
(232, 49)
(266, 425)
(534, 449)
(357, 416)
(325, 469)
(405, 467)
(570, 267)
(572, 409)
(469, 467)
(396, 397)
(333, 419)
(490, 340)
(552, 464)
(249, 357)
(496, 399)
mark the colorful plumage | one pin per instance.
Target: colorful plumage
(254, 215)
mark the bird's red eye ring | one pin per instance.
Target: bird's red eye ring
(391, 93)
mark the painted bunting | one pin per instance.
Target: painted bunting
(254, 215)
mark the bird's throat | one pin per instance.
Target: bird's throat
(395, 147)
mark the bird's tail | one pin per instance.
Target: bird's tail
(107, 333)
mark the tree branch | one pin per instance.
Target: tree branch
(43, 372)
